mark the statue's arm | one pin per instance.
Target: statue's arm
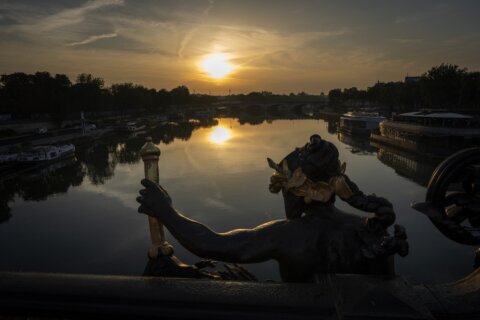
(381, 207)
(240, 246)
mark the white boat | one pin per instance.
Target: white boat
(40, 154)
(359, 123)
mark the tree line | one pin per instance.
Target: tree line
(442, 87)
(29, 95)
(33, 95)
(269, 97)
(23, 95)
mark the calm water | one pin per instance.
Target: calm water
(81, 216)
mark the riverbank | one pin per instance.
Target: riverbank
(76, 138)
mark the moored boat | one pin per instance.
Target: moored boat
(429, 132)
(41, 154)
(359, 123)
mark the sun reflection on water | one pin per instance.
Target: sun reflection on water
(220, 134)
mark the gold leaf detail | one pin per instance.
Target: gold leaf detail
(285, 170)
(343, 167)
(341, 187)
(298, 178)
(321, 191)
(273, 165)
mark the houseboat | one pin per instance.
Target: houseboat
(43, 154)
(429, 132)
(359, 123)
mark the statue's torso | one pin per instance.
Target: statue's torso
(326, 241)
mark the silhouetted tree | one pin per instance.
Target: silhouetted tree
(87, 93)
(470, 90)
(17, 93)
(441, 86)
(411, 97)
(125, 96)
(335, 97)
(163, 98)
(180, 95)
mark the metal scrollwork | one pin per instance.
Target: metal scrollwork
(452, 201)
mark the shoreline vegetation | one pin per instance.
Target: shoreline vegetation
(42, 96)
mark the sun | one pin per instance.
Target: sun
(217, 66)
(220, 134)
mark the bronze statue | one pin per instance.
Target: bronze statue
(315, 238)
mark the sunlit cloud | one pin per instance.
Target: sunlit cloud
(186, 39)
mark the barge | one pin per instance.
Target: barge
(429, 132)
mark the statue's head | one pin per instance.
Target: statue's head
(304, 176)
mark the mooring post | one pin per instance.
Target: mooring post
(150, 154)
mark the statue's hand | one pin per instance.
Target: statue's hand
(153, 199)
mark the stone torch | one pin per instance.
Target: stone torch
(150, 155)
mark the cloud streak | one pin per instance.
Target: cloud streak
(93, 39)
(407, 40)
(75, 15)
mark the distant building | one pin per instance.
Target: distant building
(409, 79)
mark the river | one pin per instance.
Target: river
(80, 216)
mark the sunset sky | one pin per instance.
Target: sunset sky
(280, 46)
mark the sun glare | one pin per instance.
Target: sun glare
(217, 65)
(220, 134)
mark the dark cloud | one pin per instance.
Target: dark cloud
(5, 20)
